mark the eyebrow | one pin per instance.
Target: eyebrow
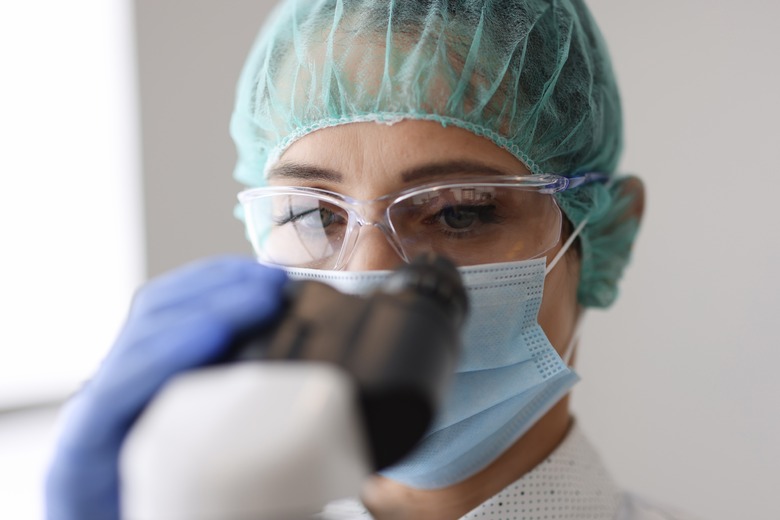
(442, 169)
(306, 172)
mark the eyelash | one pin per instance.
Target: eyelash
(287, 219)
(486, 214)
(292, 217)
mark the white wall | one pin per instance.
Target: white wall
(679, 388)
(70, 216)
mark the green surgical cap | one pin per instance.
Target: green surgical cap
(532, 76)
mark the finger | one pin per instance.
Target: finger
(235, 306)
(140, 366)
(190, 282)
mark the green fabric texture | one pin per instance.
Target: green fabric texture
(532, 76)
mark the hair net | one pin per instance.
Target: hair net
(532, 76)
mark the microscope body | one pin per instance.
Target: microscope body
(299, 414)
(254, 441)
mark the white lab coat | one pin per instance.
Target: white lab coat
(571, 483)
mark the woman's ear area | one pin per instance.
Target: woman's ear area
(613, 214)
(632, 189)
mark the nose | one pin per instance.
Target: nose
(373, 252)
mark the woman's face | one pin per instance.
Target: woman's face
(373, 159)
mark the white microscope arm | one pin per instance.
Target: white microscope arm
(248, 441)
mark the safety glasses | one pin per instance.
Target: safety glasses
(472, 220)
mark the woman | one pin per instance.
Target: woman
(384, 129)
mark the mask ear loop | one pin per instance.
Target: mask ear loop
(575, 234)
(567, 354)
(578, 323)
(575, 337)
(566, 245)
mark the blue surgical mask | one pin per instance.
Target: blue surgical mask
(507, 378)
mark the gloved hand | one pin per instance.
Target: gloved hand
(177, 322)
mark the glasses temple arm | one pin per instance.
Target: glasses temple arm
(586, 178)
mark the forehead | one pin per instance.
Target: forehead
(377, 151)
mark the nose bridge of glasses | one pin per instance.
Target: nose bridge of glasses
(370, 220)
(373, 214)
(373, 246)
(369, 212)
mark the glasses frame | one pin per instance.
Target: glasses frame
(546, 184)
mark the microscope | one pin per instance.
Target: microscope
(299, 413)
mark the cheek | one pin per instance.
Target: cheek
(559, 310)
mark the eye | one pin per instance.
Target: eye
(328, 217)
(319, 218)
(465, 217)
(458, 217)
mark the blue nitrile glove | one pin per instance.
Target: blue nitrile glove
(177, 322)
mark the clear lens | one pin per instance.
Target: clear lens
(470, 223)
(477, 224)
(297, 230)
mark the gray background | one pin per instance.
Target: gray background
(680, 388)
(190, 53)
